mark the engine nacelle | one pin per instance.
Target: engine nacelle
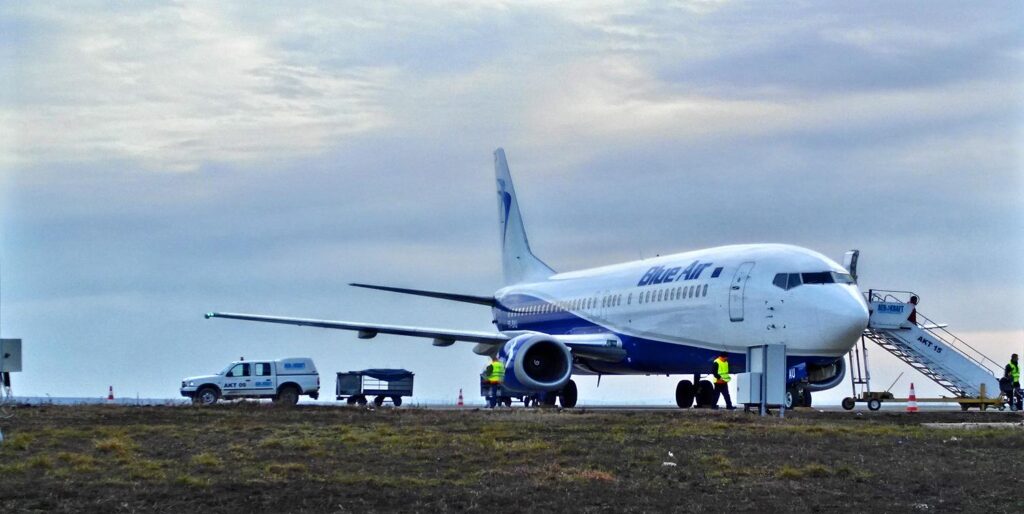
(536, 362)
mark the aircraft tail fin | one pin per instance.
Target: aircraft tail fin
(518, 262)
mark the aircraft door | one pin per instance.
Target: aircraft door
(736, 291)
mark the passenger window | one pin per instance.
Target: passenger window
(705, 293)
(629, 299)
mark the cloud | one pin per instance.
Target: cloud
(174, 87)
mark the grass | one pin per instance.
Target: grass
(317, 459)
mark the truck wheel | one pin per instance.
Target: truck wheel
(848, 403)
(874, 404)
(397, 400)
(569, 395)
(287, 396)
(807, 398)
(361, 400)
(351, 400)
(506, 401)
(379, 400)
(206, 396)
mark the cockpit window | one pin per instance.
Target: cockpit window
(781, 280)
(790, 281)
(794, 280)
(842, 278)
(823, 277)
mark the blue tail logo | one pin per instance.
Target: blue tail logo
(506, 201)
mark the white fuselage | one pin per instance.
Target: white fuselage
(673, 314)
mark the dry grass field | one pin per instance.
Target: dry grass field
(258, 458)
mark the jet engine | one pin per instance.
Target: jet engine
(536, 362)
(827, 376)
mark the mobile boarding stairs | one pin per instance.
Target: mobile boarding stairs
(947, 360)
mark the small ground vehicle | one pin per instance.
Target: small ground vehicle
(282, 380)
(383, 384)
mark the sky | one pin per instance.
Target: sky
(162, 160)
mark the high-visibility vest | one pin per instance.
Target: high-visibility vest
(497, 372)
(1014, 372)
(723, 370)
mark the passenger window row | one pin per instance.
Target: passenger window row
(615, 300)
(673, 293)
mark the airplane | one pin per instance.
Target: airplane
(668, 315)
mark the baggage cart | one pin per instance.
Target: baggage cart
(382, 384)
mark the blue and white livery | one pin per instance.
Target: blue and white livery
(667, 315)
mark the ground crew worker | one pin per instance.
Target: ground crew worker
(722, 378)
(492, 375)
(1012, 372)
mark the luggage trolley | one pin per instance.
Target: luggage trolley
(355, 386)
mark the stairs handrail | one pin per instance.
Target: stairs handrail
(979, 358)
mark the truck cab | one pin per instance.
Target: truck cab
(281, 380)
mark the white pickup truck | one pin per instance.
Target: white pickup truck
(282, 380)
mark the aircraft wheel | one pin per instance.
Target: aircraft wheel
(848, 403)
(705, 393)
(874, 404)
(684, 394)
(569, 395)
(790, 399)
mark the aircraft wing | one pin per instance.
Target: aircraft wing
(441, 337)
(596, 346)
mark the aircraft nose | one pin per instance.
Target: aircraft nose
(843, 321)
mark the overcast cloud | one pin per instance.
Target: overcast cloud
(162, 160)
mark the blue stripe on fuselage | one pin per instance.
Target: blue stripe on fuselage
(643, 356)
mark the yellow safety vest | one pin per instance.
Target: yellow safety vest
(497, 372)
(723, 370)
(1014, 372)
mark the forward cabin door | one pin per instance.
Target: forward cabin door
(737, 290)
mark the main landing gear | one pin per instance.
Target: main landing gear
(703, 393)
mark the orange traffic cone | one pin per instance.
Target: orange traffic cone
(460, 404)
(912, 400)
(110, 394)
